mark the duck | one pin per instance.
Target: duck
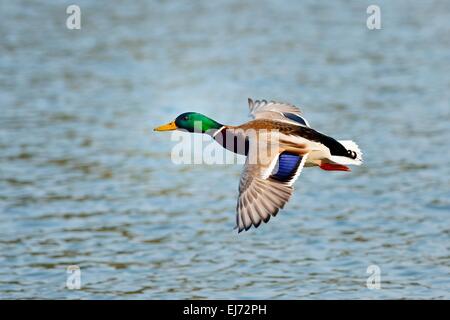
(278, 143)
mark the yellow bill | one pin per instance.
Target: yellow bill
(167, 127)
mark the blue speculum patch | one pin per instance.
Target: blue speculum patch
(287, 166)
(295, 118)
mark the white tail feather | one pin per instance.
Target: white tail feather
(349, 145)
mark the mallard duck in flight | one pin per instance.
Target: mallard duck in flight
(278, 143)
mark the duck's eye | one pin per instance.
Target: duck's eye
(186, 118)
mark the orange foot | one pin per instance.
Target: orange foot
(334, 167)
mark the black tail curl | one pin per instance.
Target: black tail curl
(352, 154)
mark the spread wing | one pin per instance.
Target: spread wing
(264, 190)
(262, 109)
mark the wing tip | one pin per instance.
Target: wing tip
(256, 225)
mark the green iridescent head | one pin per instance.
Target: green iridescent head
(192, 122)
